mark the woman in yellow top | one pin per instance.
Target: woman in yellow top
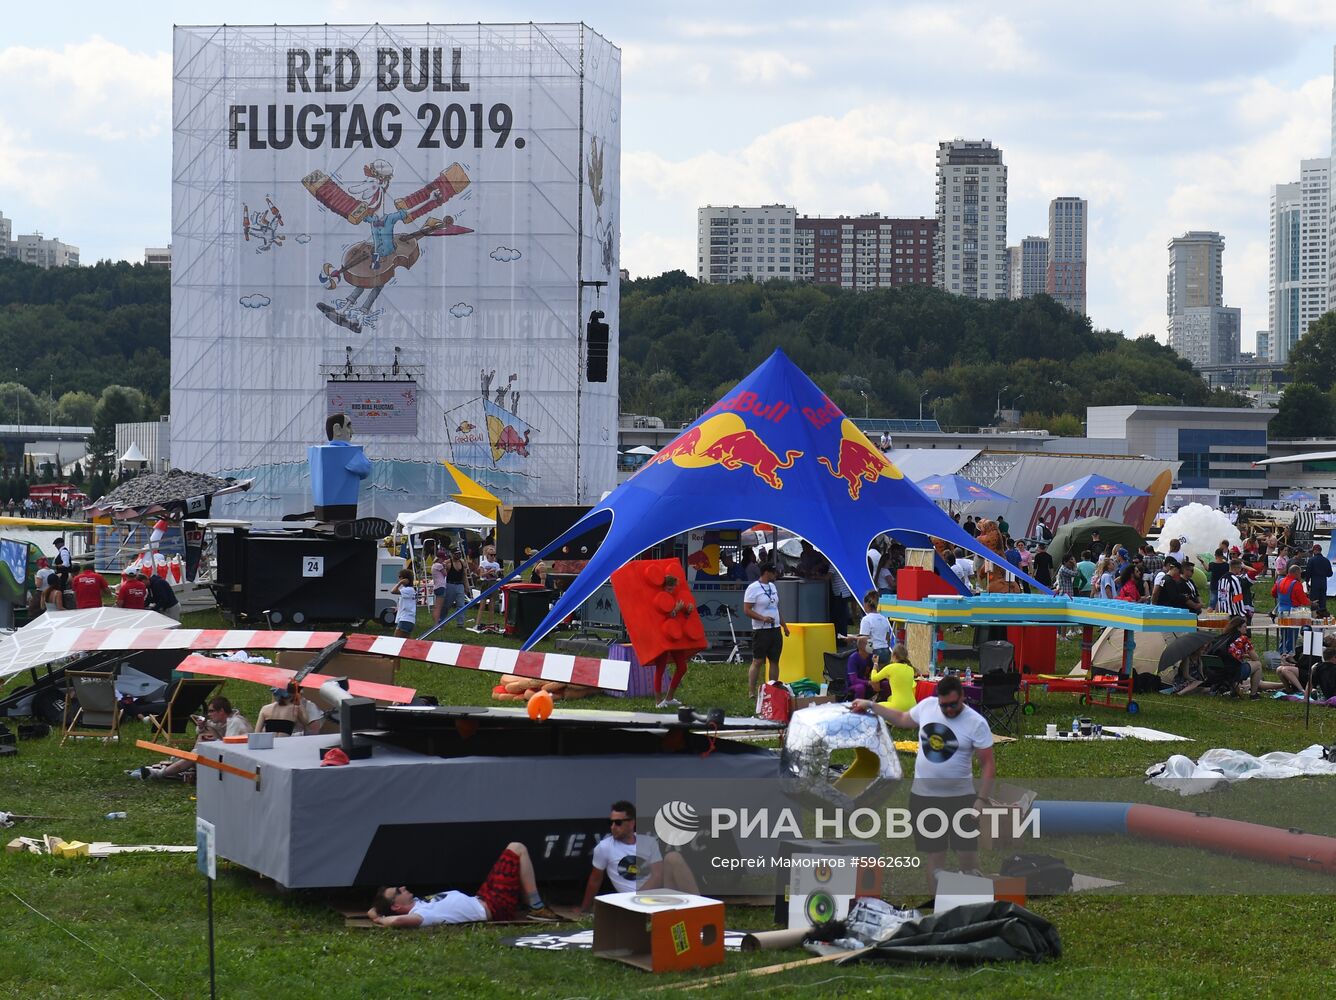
(900, 672)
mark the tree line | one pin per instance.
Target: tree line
(1308, 402)
(90, 346)
(883, 352)
(68, 333)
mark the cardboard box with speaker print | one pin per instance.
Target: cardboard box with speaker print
(818, 879)
(659, 930)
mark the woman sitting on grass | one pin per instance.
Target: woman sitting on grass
(1241, 663)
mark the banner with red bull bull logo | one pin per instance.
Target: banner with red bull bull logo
(775, 449)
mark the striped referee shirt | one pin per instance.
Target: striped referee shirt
(1229, 594)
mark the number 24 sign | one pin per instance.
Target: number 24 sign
(313, 565)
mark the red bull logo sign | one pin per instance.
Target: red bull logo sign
(858, 461)
(750, 402)
(726, 440)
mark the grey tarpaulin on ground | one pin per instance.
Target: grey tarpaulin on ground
(978, 932)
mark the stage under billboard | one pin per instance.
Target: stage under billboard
(408, 224)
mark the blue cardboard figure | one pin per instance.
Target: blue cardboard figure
(337, 470)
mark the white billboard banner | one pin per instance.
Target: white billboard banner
(1024, 476)
(363, 203)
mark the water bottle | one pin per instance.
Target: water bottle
(115, 815)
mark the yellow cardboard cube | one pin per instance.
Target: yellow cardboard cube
(804, 649)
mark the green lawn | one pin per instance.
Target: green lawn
(140, 921)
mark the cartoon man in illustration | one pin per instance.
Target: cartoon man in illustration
(368, 266)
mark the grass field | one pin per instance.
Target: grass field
(135, 926)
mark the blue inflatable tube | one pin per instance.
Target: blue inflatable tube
(1058, 819)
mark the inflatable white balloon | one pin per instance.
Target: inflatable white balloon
(1201, 529)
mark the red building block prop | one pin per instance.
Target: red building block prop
(1036, 648)
(645, 608)
(913, 583)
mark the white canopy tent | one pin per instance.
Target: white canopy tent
(444, 515)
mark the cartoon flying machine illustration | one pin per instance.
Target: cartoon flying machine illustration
(368, 266)
(263, 225)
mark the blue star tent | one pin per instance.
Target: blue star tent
(775, 449)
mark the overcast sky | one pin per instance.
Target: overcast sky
(1166, 116)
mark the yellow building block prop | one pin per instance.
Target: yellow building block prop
(71, 849)
(804, 649)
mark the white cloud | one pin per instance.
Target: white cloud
(97, 88)
(1302, 13)
(822, 164)
(41, 176)
(695, 28)
(768, 67)
(646, 254)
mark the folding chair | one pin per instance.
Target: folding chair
(90, 700)
(187, 697)
(998, 701)
(836, 668)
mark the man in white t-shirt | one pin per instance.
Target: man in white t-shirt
(951, 735)
(760, 603)
(510, 888)
(875, 637)
(632, 861)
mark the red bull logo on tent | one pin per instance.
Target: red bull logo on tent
(859, 460)
(726, 440)
(774, 450)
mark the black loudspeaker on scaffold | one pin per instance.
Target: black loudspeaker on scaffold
(597, 340)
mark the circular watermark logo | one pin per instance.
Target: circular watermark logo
(676, 823)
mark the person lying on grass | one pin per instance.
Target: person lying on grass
(510, 888)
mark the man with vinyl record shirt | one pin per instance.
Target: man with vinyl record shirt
(951, 735)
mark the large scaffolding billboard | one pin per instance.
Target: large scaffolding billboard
(409, 224)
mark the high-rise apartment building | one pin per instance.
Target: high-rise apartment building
(6, 231)
(1263, 349)
(865, 251)
(34, 248)
(1195, 273)
(1201, 328)
(158, 256)
(1285, 278)
(1026, 266)
(970, 256)
(1298, 273)
(733, 244)
(1315, 190)
(1331, 199)
(1065, 276)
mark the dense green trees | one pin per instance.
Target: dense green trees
(79, 329)
(1308, 403)
(71, 333)
(683, 344)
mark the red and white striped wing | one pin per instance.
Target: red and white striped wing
(560, 667)
(63, 641)
(261, 673)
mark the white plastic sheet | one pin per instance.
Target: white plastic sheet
(1216, 767)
